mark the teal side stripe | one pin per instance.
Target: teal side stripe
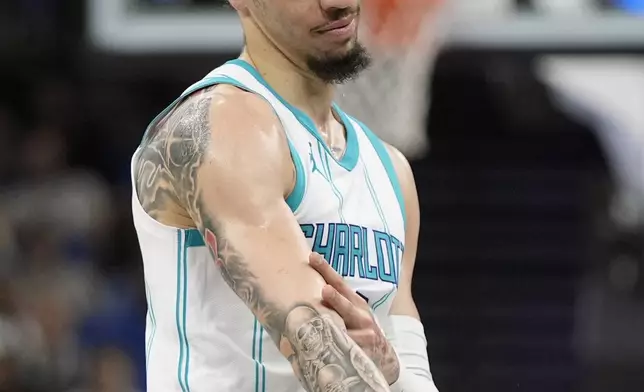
(153, 322)
(258, 347)
(382, 300)
(185, 307)
(254, 355)
(350, 157)
(297, 194)
(147, 338)
(180, 249)
(389, 167)
(194, 238)
(261, 349)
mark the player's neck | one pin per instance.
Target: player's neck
(293, 82)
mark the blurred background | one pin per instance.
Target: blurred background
(529, 164)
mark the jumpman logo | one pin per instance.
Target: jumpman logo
(314, 166)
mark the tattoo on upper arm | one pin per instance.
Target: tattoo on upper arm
(166, 168)
(323, 357)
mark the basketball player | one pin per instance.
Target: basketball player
(253, 167)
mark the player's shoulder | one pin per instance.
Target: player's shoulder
(407, 183)
(395, 153)
(217, 109)
(249, 112)
(244, 122)
(400, 162)
(241, 121)
(221, 117)
(217, 121)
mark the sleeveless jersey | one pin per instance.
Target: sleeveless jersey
(200, 336)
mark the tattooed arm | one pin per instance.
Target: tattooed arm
(223, 156)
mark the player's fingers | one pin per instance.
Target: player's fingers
(318, 263)
(329, 274)
(323, 268)
(341, 305)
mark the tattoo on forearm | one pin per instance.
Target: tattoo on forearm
(323, 357)
(328, 360)
(387, 360)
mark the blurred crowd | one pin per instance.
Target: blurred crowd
(72, 314)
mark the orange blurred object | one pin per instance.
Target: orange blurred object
(396, 22)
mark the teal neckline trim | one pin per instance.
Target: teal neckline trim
(294, 199)
(350, 158)
(385, 158)
(352, 150)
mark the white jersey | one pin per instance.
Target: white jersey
(200, 337)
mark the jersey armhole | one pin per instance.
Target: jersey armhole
(294, 199)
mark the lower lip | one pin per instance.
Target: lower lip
(342, 32)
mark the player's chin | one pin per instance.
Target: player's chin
(340, 50)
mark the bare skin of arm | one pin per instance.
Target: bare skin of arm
(221, 160)
(403, 304)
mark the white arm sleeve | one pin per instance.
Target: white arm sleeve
(407, 336)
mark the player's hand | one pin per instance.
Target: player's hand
(358, 318)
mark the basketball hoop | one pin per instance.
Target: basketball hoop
(391, 96)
